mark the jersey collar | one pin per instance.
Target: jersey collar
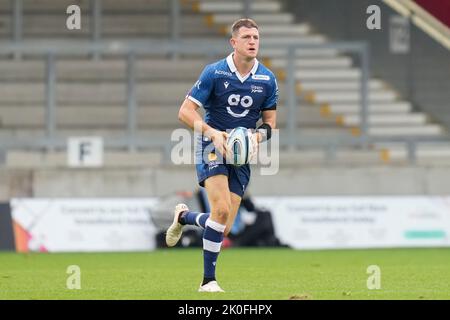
(233, 68)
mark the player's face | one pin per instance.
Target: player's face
(246, 42)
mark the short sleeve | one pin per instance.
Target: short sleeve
(272, 99)
(202, 89)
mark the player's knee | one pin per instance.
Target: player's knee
(222, 212)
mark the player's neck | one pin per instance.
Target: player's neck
(243, 65)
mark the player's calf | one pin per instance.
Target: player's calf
(212, 241)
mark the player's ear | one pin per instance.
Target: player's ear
(233, 42)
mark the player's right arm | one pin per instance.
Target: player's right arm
(198, 97)
(189, 115)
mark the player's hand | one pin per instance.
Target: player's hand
(219, 139)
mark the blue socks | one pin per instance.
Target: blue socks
(194, 218)
(212, 241)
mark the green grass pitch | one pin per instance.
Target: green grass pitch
(243, 273)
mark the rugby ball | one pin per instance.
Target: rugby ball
(239, 146)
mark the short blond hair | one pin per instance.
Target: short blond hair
(245, 22)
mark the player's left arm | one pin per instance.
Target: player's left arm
(269, 117)
(269, 113)
(264, 131)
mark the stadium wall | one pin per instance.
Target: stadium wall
(306, 181)
(420, 76)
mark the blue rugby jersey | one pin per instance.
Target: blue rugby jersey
(231, 101)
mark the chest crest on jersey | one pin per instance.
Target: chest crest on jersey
(257, 89)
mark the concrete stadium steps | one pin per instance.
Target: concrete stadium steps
(16, 159)
(91, 95)
(384, 119)
(283, 40)
(345, 156)
(224, 12)
(140, 24)
(306, 116)
(88, 117)
(115, 116)
(330, 80)
(294, 30)
(261, 18)
(337, 87)
(43, 6)
(235, 6)
(313, 85)
(374, 108)
(58, 159)
(158, 69)
(298, 31)
(339, 96)
(100, 93)
(112, 26)
(331, 62)
(271, 52)
(155, 136)
(427, 153)
(96, 93)
(317, 74)
(407, 130)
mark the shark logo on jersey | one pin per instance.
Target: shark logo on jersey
(235, 100)
(226, 84)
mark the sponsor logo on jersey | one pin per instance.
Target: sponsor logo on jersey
(226, 84)
(224, 73)
(260, 77)
(236, 100)
(257, 89)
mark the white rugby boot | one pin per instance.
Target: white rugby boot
(175, 230)
(211, 286)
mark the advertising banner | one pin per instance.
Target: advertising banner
(62, 225)
(360, 222)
